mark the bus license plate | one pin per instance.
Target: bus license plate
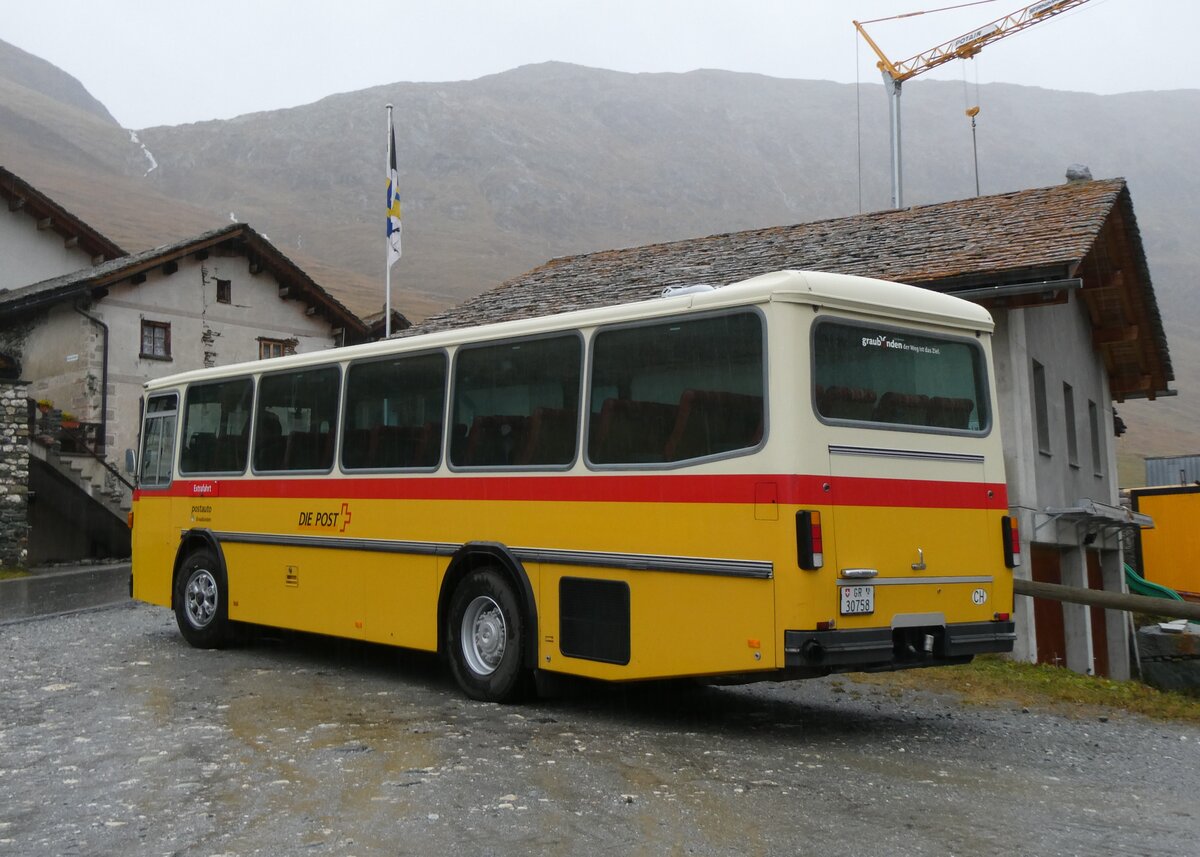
(857, 600)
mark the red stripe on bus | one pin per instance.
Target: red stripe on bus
(791, 490)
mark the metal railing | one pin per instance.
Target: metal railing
(70, 437)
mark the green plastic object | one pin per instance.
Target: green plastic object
(1139, 585)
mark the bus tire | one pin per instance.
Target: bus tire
(485, 637)
(202, 601)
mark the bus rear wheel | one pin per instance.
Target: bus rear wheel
(485, 637)
(202, 601)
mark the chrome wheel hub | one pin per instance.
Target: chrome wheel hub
(200, 598)
(484, 635)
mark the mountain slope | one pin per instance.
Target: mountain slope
(37, 75)
(502, 173)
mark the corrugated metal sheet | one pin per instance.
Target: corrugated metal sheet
(1173, 470)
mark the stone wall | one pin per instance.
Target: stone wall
(14, 474)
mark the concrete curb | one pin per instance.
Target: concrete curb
(47, 592)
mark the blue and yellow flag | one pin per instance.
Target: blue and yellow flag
(393, 200)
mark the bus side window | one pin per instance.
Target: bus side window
(677, 390)
(294, 418)
(394, 413)
(216, 423)
(516, 404)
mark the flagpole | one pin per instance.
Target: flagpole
(387, 260)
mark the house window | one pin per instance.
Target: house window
(224, 291)
(1094, 426)
(268, 348)
(156, 340)
(1072, 435)
(1041, 416)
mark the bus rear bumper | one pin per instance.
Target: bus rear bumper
(896, 648)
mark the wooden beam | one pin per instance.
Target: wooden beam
(45, 223)
(170, 268)
(200, 255)
(16, 203)
(138, 278)
(1109, 335)
(71, 242)
(1108, 600)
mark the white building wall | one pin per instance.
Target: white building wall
(1060, 339)
(29, 255)
(62, 351)
(203, 331)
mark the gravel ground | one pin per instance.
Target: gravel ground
(117, 738)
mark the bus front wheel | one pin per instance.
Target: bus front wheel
(485, 637)
(202, 601)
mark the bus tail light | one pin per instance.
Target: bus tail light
(810, 552)
(129, 519)
(1012, 541)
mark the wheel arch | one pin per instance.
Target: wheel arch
(474, 555)
(190, 541)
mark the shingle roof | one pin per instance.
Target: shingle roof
(19, 194)
(1021, 237)
(238, 236)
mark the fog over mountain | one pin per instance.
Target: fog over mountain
(505, 172)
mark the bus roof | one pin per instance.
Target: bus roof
(888, 300)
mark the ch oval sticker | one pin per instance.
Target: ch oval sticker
(979, 596)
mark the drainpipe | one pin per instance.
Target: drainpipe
(103, 384)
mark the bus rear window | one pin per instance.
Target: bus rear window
(874, 374)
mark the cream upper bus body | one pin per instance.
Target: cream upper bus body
(833, 291)
(910, 512)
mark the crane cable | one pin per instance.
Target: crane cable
(858, 118)
(928, 11)
(972, 111)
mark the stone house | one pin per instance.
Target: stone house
(1063, 272)
(85, 339)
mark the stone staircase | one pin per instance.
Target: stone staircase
(90, 476)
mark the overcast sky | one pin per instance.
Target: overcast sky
(167, 63)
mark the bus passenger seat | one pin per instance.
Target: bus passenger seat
(357, 448)
(713, 421)
(494, 438)
(945, 412)
(631, 432)
(904, 408)
(427, 445)
(551, 437)
(846, 403)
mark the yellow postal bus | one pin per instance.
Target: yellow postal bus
(790, 476)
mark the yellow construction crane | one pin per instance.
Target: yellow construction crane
(963, 47)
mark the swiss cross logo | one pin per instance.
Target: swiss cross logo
(345, 517)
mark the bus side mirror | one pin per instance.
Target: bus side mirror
(130, 462)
